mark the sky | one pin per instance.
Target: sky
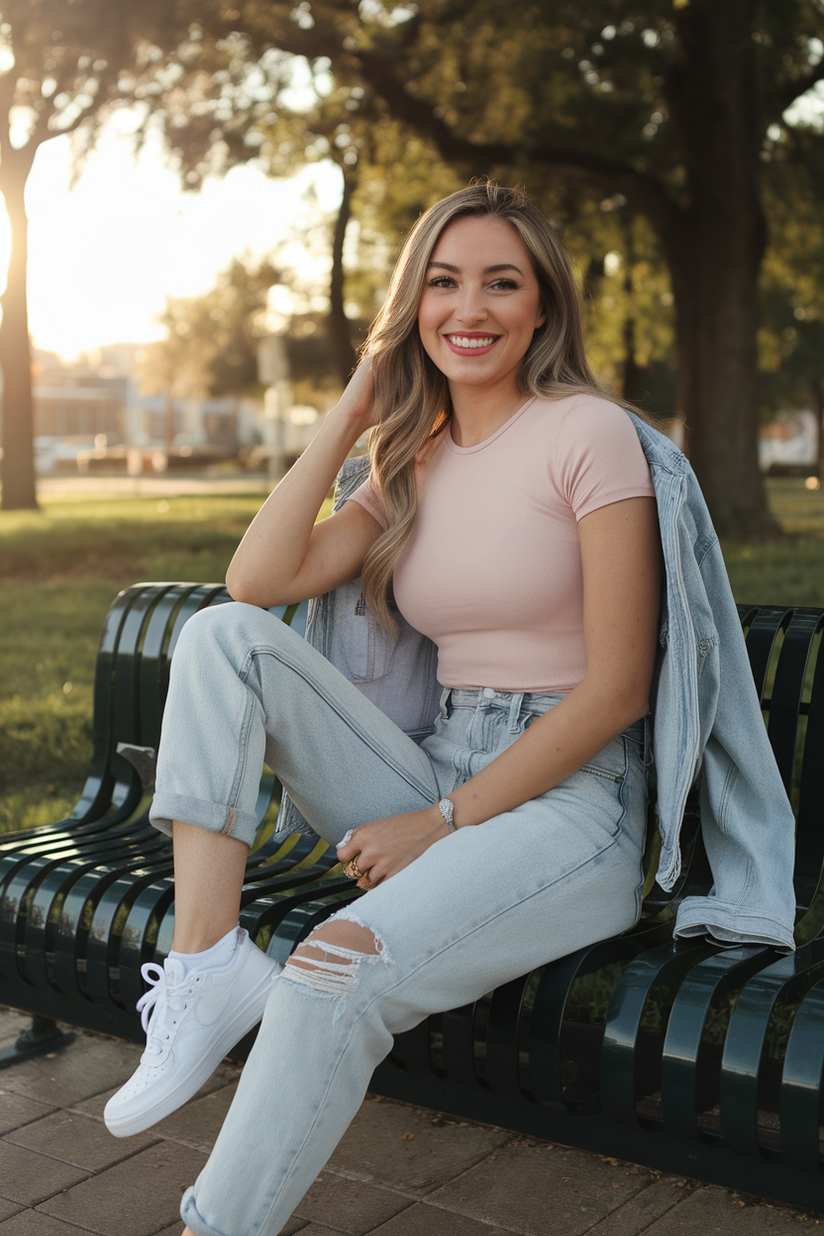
(104, 256)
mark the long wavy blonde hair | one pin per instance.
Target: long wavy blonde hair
(412, 393)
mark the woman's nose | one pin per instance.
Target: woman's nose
(471, 307)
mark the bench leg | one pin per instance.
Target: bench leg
(44, 1036)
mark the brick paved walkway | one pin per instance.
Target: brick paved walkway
(399, 1171)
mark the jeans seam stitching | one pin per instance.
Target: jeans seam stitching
(354, 725)
(243, 748)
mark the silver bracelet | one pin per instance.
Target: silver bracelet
(446, 807)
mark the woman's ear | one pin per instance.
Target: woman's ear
(541, 318)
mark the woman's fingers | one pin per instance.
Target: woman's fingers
(343, 843)
(378, 849)
(358, 841)
(366, 883)
(357, 398)
(349, 853)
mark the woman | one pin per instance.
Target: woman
(511, 506)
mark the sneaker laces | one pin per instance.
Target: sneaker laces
(166, 995)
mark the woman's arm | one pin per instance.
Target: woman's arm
(621, 557)
(285, 556)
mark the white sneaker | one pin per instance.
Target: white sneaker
(196, 1018)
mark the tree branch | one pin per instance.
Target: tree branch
(647, 191)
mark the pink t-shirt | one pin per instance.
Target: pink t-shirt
(493, 571)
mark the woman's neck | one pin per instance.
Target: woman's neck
(478, 414)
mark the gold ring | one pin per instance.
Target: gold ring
(353, 871)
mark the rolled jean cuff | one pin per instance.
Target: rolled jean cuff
(190, 1216)
(214, 817)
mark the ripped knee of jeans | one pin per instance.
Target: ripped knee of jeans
(329, 960)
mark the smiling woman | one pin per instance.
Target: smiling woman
(509, 516)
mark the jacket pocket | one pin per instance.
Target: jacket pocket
(359, 647)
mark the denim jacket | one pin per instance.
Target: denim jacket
(706, 722)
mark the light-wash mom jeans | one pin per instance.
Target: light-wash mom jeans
(478, 908)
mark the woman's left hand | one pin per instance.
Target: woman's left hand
(383, 847)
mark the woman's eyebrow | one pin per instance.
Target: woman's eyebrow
(488, 270)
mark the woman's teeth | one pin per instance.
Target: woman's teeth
(461, 341)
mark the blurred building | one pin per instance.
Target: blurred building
(94, 405)
(789, 443)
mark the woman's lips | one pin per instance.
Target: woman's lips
(471, 344)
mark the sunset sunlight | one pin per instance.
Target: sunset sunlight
(105, 254)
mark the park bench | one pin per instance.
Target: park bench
(685, 1057)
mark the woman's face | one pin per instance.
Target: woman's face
(481, 304)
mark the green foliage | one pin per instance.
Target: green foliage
(211, 340)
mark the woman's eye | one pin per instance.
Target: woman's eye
(505, 285)
(441, 281)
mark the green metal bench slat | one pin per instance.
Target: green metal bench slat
(18, 891)
(764, 632)
(505, 1034)
(765, 627)
(145, 927)
(125, 716)
(98, 790)
(683, 1059)
(801, 1085)
(110, 922)
(412, 1050)
(667, 966)
(118, 792)
(785, 702)
(809, 847)
(550, 1010)
(77, 913)
(40, 928)
(458, 1046)
(744, 1058)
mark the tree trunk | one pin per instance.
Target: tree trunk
(17, 467)
(340, 339)
(717, 311)
(715, 259)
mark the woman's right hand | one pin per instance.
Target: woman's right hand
(357, 403)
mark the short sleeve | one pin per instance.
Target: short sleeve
(601, 458)
(368, 496)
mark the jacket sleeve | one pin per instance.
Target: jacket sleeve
(747, 823)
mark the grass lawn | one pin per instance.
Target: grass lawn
(61, 567)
